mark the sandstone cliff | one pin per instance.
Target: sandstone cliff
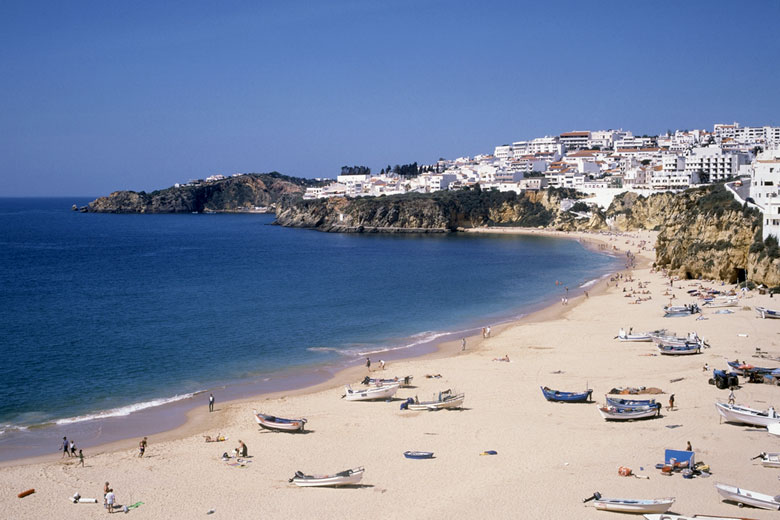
(240, 193)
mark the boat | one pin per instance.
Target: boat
(403, 381)
(613, 413)
(347, 477)
(745, 415)
(418, 454)
(629, 404)
(623, 336)
(445, 399)
(774, 429)
(566, 397)
(675, 311)
(673, 339)
(747, 497)
(763, 312)
(270, 422)
(748, 368)
(667, 516)
(721, 301)
(627, 505)
(370, 393)
(678, 350)
(769, 460)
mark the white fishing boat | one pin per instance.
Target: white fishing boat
(678, 350)
(673, 339)
(271, 422)
(773, 429)
(769, 460)
(763, 312)
(676, 311)
(745, 415)
(629, 336)
(445, 399)
(747, 497)
(626, 505)
(614, 413)
(348, 477)
(371, 393)
(721, 301)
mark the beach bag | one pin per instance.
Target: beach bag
(624, 471)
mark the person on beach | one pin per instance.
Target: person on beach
(242, 449)
(368, 363)
(81, 458)
(110, 499)
(671, 403)
(487, 331)
(462, 344)
(142, 447)
(484, 333)
(106, 489)
(72, 448)
(211, 403)
(382, 363)
(732, 397)
(689, 447)
(65, 447)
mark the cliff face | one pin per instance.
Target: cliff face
(233, 194)
(435, 212)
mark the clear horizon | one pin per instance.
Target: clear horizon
(98, 97)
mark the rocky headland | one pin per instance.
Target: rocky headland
(249, 192)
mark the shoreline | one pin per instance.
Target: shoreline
(315, 378)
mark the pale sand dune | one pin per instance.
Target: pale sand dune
(550, 456)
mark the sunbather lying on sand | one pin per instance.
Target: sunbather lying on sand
(505, 358)
(218, 438)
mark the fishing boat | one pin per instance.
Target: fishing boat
(370, 393)
(674, 339)
(403, 381)
(270, 422)
(613, 413)
(678, 350)
(747, 497)
(676, 311)
(667, 516)
(747, 368)
(629, 404)
(769, 460)
(745, 415)
(566, 397)
(721, 301)
(764, 313)
(445, 399)
(418, 454)
(773, 429)
(629, 336)
(627, 505)
(344, 478)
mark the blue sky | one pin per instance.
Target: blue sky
(99, 96)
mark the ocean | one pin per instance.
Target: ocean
(107, 320)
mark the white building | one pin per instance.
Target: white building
(503, 152)
(574, 140)
(713, 163)
(545, 145)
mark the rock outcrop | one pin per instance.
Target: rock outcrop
(242, 193)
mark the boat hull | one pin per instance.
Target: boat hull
(616, 414)
(418, 454)
(371, 393)
(453, 402)
(763, 312)
(747, 497)
(622, 505)
(744, 415)
(349, 477)
(269, 422)
(566, 397)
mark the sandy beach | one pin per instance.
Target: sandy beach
(549, 457)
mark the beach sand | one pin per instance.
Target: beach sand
(550, 455)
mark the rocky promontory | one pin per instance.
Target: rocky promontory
(247, 192)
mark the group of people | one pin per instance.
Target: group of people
(69, 450)
(368, 363)
(485, 332)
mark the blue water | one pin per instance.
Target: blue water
(99, 312)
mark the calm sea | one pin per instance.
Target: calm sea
(103, 317)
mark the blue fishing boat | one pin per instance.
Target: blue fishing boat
(566, 397)
(747, 368)
(679, 350)
(418, 454)
(629, 404)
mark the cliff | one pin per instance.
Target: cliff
(437, 212)
(242, 193)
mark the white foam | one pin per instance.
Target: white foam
(124, 410)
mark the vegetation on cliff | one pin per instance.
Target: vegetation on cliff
(241, 193)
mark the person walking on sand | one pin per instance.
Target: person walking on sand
(65, 447)
(211, 403)
(671, 403)
(106, 489)
(732, 397)
(81, 458)
(689, 447)
(382, 364)
(72, 448)
(368, 363)
(462, 344)
(142, 447)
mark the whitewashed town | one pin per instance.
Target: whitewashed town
(601, 164)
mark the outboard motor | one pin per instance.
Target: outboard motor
(405, 404)
(596, 496)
